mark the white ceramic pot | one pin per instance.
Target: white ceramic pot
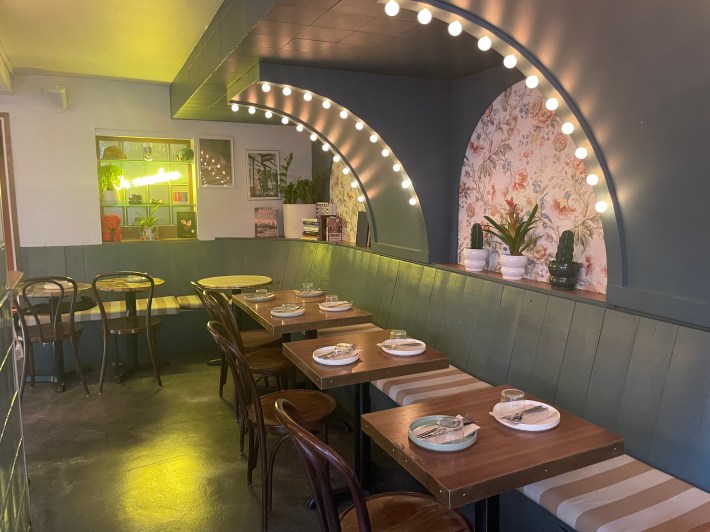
(109, 196)
(512, 267)
(475, 259)
(293, 218)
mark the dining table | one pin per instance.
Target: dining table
(500, 459)
(372, 364)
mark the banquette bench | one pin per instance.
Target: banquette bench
(643, 378)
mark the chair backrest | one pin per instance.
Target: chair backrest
(45, 299)
(316, 456)
(106, 280)
(199, 289)
(219, 309)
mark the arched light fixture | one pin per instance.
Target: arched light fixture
(406, 183)
(361, 198)
(391, 8)
(509, 61)
(601, 206)
(325, 147)
(336, 158)
(265, 87)
(424, 16)
(359, 126)
(353, 183)
(580, 153)
(385, 153)
(235, 107)
(485, 43)
(455, 28)
(567, 128)
(373, 138)
(307, 96)
(532, 81)
(552, 104)
(343, 114)
(326, 104)
(313, 137)
(412, 201)
(592, 179)
(252, 109)
(268, 114)
(286, 91)
(396, 167)
(346, 170)
(284, 121)
(299, 127)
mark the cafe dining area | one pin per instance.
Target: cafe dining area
(373, 265)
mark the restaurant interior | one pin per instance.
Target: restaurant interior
(249, 238)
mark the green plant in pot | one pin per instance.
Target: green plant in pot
(149, 224)
(109, 182)
(475, 257)
(299, 197)
(514, 231)
(287, 188)
(564, 272)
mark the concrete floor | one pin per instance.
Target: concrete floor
(142, 458)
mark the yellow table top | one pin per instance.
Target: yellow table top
(235, 282)
(120, 284)
(52, 290)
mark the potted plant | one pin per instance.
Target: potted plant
(514, 232)
(564, 272)
(475, 257)
(109, 182)
(149, 224)
(297, 200)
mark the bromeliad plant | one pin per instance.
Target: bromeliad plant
(514, 230)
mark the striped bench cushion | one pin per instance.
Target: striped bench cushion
(428, 385)
(189, 302)
(162, 306)
(622, 494)
(348, 329)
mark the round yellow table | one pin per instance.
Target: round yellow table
(235, 282)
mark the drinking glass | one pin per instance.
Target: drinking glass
(451, 429)
(288, 307)
(261, 292)
(511, 400)
(342, 349)
(398, 334)
(331, 298)
(307, 287)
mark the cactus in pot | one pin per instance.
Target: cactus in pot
(475, 257)
(564, 272)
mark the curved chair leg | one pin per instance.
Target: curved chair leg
(151, 352)
(222, 374)
(25, 365)
(32, 365)
(79, 373)
(104, 358)
(118, 357)
(269, 478)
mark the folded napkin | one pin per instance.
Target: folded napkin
(532, 418)
(409, 345)
(446, 437)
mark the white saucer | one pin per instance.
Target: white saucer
(336, 306)
(313, 293)
(403, 351)
(547, 422)
(257, 299)
(275, 312)
(353, 356)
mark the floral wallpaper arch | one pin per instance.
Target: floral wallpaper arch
(518, 152)
(345, 198)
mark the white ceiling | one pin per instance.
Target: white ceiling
(147, 40)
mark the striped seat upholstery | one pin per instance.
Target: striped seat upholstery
(622, 494)
(162, 306)
(189, 302)
(419, 387)
(348, 329)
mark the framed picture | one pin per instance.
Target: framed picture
(214, 164)
(262, 174)
(186, 224)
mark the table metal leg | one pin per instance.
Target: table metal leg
(487, 514)
(362, 440)
(58, 348)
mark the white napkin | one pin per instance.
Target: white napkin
(447, 437)
(533, 418)
(387, 343)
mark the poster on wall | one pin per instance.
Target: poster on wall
(266, 224)
(215, 165)
(262, 174)
(186, 224)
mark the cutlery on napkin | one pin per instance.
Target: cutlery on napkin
(346, 354)
(425, 432)
(530, 418)
(404, 344)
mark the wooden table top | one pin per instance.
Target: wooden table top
(235, 282)
(40, 291)
(500, 460)
(313, 319)
(373, 363)
(119, 284)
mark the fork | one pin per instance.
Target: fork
(331, 354)
(406, 344)
(435, 431)
(518, 416)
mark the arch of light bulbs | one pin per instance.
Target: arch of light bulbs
(534, 78)
(345, 115)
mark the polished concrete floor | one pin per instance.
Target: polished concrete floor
(142, 458)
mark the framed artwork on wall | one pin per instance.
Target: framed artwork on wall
(215, 165)
(262, 174)
(186, 224)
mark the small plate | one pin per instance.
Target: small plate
(403, 351)
(353, 356)
(134, 279)
(463, 443)
(277, 313)
(313, 293)
(335, 306)
(546, 423)
(257, 299)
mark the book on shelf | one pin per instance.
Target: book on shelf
(266, 223)
(311, 228)
(334, 229)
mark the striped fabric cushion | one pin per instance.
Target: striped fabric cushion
(189, 302)
(622, 494)
(348, 329)
(428, 385)
(162, 306)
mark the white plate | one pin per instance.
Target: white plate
(337, 306)
(551, 420)
(313, 293)
(257, 299)
(463, 443)
(404, 351)
(275, 312)
(353, 356)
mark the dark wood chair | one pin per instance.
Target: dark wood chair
(131, 324)
(41, 322)
(396, 511)
(316, 408)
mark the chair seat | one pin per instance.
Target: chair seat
(406, 512)
(269, 362)
(64, 332)
(131, 325)
(257, 339)
(314, 406)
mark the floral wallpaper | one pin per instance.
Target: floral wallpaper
(518, 152)
(345, 198)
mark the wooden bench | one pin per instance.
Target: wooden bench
(189, 302)
(162, 306)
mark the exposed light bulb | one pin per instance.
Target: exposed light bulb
(326, 104)
(353, 183)
(361, 198)
(252, 109)
(343, 114)
(265, 87)
(455, 28)
(373, 138)
(580, 153)
(552, 104)
(391, 8)
(307, 96)
(510, 61)
(485, 43)
(592, 179)
(412, 201)
(325, 147)
(567, 128)
(346, 170)
(406, 183)
(359, 126)
(396, 167)
(299, 127)
(313, 137)
(286, 91)
(531, 81)
(268, 114)
(284, 121)
(601, 206)
(336, 158)
(385, 153)
(424, 16)
(235, 107)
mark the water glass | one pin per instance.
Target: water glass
(261, 292)
(331, 298)
(342, 349)
(288, 307)
(398, 334)
(451, 429)
(511, 400)
(307, 287)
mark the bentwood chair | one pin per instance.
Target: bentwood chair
(130, 324)
(42, 323)
(316, 408)
(395, 511)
